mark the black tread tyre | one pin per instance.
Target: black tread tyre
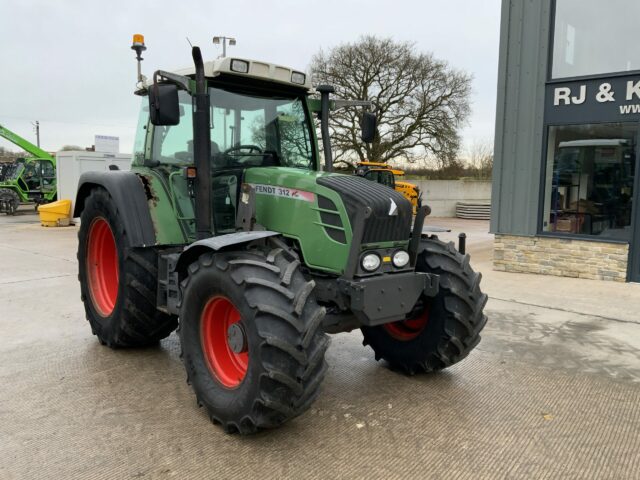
(9, 200)
(285, 343)
(455, 315)
(134, 320)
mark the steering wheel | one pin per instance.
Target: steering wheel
(251, 148)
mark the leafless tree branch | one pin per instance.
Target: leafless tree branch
(420, 101)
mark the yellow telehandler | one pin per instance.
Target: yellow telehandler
(386, 175)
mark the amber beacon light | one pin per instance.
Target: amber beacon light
(139, 47)
(138, 42)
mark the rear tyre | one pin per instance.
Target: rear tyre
(447, 327)
(251, 337)
(117, 283)
(9, 201)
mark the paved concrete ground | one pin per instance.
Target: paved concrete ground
(552, 391)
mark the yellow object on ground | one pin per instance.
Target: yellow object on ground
(55, 214)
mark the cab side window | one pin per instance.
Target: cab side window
(48, 172)
(174, 144)
(386, 178)
(382, 177)
(31, 175)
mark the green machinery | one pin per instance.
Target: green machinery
(226, 227)
(31, 179)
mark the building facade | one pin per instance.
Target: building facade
(566, 192)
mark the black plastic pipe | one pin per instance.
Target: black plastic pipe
(462, 243)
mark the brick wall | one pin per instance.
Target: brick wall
(561, 257)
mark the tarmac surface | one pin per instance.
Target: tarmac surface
(552, 391)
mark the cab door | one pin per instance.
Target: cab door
(387, 178)
(47, 176)
(31, 176)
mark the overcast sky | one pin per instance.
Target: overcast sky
(68, 63)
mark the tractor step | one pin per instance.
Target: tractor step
(168, 283)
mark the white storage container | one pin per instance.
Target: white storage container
(72, 164)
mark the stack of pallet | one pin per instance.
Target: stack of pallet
(473, 210)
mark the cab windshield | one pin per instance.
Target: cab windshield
(247, 130)
(384, 177)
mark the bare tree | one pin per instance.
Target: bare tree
(480, 157)
(419, 100)
(69, 148)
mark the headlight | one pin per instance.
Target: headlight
(400, 258)
(370, 262)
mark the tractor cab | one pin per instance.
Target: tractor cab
(378, 172)
(38, 176)
(258, 119)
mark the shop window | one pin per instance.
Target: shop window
(589, 180)
(594, 37)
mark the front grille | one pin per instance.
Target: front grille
(358, 194)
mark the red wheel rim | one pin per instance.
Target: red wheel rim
(406, 330)
(102, 267)
(228, 367)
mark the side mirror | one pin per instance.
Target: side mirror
(164, 108)
(368, 127)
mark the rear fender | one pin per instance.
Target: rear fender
(128, 193)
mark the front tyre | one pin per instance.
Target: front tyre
(251, 337)
(118, 284)
(446, 327)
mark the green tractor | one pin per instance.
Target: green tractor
(26, 180)
(226, 229)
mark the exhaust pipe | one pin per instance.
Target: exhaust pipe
(201, 150)
(325, 90)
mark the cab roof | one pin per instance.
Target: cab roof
(243, 67)
(377, 166)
